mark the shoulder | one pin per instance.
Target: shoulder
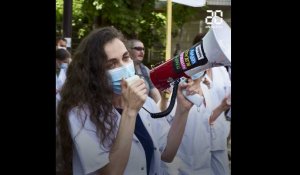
(77, 112)
(150, 103)
(76, 115)
(220, 72)
(145, 67)
(152, 107)
(80, 118)
(149, 107)
(220, 69)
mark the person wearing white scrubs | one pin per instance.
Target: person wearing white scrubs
(90, 155)
(203, 150)
(104, 125)
(193, 156)
(203, 146)
(219, 85)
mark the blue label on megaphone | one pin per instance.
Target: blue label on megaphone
(192, 56)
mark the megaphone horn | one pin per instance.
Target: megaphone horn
(212, 51)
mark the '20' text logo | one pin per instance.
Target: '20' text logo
(209, 19)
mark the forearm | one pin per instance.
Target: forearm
(119, 153)
(175, 136)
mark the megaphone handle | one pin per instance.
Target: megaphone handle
(196, 99)
(171, 105)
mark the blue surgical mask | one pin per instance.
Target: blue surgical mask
(117, 74)
(198, 75)
(64, 65)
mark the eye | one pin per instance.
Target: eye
(126, 58)
(139, 48)
(111, 65)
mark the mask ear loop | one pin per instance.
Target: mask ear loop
(171, 105)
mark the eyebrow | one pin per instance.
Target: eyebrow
(125, 53)
(114, 59)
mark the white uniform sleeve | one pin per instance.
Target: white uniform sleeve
(92, 155)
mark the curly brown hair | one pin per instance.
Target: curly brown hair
(88, 88)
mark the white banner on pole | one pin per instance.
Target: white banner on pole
(69, 42)
(193, 3)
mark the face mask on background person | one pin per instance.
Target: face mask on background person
(117, 74)
(64, 65)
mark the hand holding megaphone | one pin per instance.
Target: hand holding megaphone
(192, 94)
(196, 99)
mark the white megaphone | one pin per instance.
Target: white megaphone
(216, 45)
(212, 51)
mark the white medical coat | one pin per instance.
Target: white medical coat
(221, 127)
(203, 148)
(89, 155)
(193, 156)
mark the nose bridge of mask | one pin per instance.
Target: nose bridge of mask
(122, 72)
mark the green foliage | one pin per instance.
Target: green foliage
(81, 21)
(181, 14)
(135, 18)
(59, 10)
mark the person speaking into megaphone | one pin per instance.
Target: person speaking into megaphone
(103, 120)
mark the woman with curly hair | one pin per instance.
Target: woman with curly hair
(104, 126)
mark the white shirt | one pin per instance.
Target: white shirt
(89, 155)
(196, 154)
(193, 156)
(221, 127)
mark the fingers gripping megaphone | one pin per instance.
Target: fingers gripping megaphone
(212, 51)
